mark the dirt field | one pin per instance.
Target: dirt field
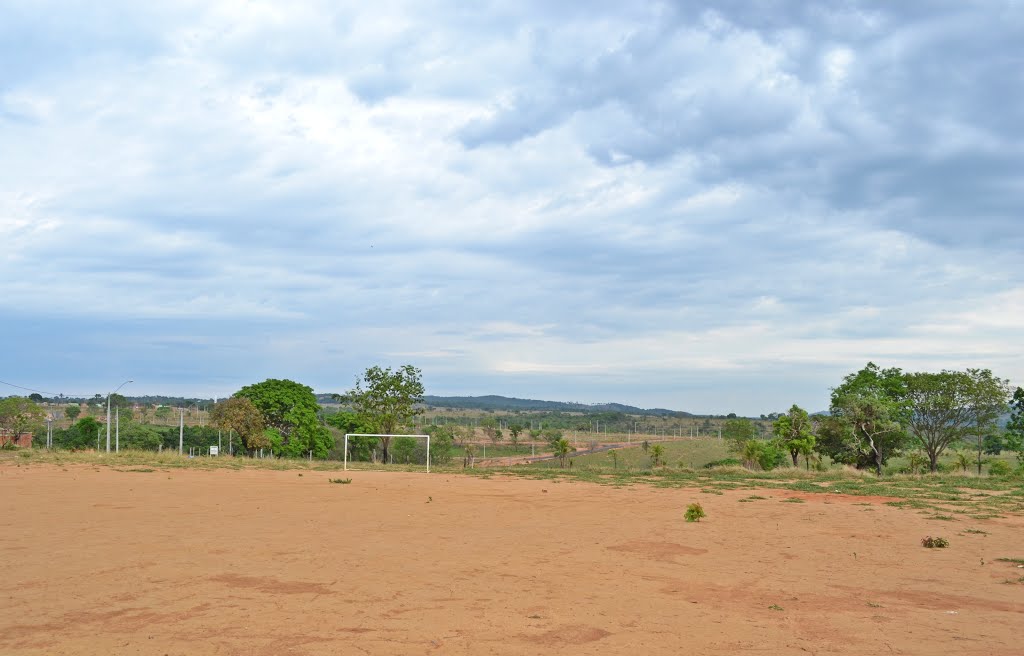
(98, 561)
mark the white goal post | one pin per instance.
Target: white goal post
(384, 435)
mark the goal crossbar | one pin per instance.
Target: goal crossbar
(384, 435)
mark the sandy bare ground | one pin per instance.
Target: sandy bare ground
(98, 561)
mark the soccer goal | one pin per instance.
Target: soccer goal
(389, 435)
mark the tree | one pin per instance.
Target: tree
(867, 414)
(794, 431)
(20, 415)
(562, 449)
(514, 431)
(72, 411)
(388, 400)
(939, 414)
(737, 432)
(987, 397)
(993, 444)
(35, 397)
(290, 410)
(403, 448)
(238, 414)
(1015, 427)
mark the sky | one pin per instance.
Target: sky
(710, 207)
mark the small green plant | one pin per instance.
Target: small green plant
(999, 468)
(340, 481)
(975, 531)
(1015, 561)
(793, 500)
(776, 607)
(934, 543)
(694, 512)
(874, 605)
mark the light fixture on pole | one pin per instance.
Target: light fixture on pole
(108, 410)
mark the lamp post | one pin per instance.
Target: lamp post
(108, 410)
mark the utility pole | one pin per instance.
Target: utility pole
(108, 412)
(117, 431)
(181, 433)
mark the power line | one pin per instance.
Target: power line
(29, 389)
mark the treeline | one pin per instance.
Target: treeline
(876, 414)
(511, 404)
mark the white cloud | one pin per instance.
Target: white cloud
(632, 200)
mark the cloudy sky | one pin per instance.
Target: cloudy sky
(710, 207)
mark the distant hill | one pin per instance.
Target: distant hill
(493, 402)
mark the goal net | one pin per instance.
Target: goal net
(401, 449)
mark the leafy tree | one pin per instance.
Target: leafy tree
(119, 401)
(987, 398)
(20, 415)
(562, 449)
(403, 448)
(290, 409)
(939, 414)
(240, 415)
(736, 433)
(963, 461)
(867, 413)
(1015, 427)
(35, 397)
(993, 444)
(514, 431)
(441, 440)
(794, 432)
(387, 399)
(72, 411)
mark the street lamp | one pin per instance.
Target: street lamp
(108, 410)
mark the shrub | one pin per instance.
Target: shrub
(340, 481)
(694, 512)
(934, 543)
(771, 456)
(724, 462)
(999, 468)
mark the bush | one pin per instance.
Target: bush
(770, 456)
(999, 468)
(694, 512)
(934, 543)
(724, 462)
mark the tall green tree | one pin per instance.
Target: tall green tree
(20, 415)
(387, 400)
(71, 411)
(737, 432)
(290, 410)
(795, 432)
(867, 414)
(939, 414)
(1015, 427)
(987, 398)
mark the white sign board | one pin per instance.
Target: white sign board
(214, 450)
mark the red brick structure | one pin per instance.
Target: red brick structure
(23, 440)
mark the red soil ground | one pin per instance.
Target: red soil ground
(98, 561)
